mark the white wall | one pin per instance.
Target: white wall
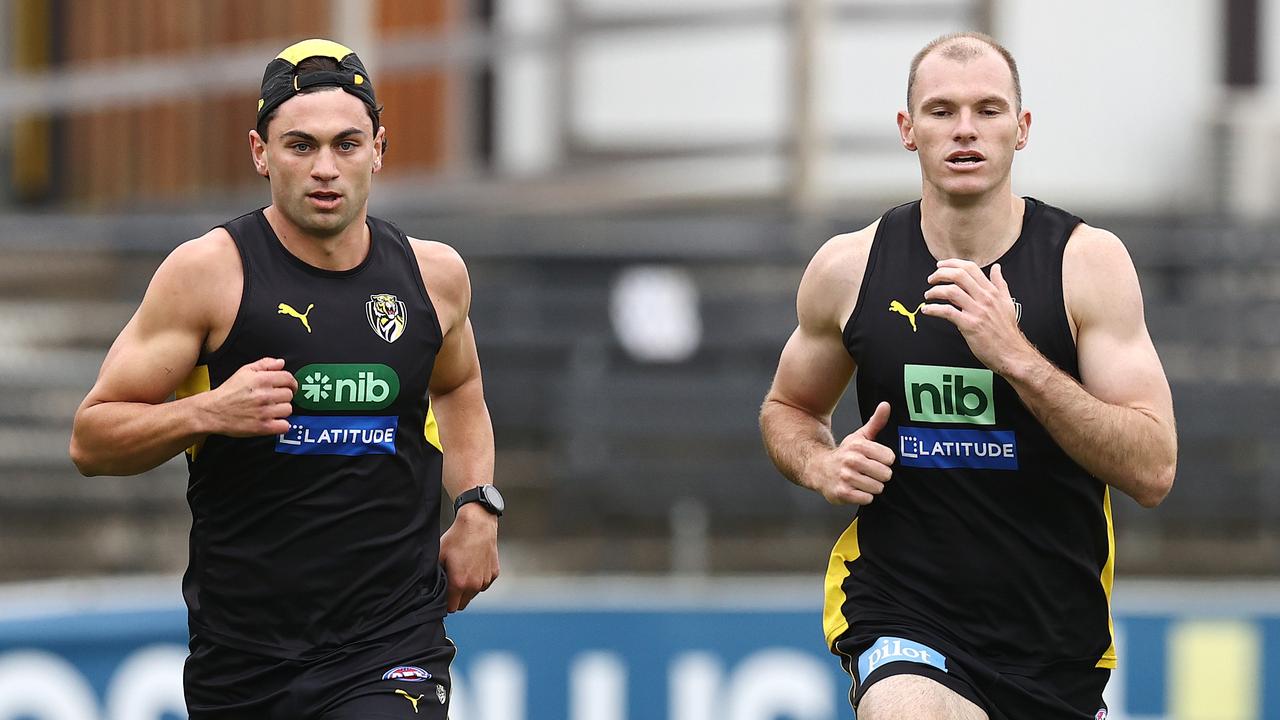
(1121, 95)
(702, 85)
(863, 80)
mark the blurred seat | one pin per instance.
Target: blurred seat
(593, 443)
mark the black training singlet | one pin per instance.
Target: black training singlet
(329, 533)
(988, 534)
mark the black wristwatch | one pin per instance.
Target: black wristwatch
(488, 497)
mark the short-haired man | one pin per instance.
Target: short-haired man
(1008, 382)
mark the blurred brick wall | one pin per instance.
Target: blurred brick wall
(179, 149)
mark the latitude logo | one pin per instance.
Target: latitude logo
(346, 386)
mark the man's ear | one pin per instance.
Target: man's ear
(379, 147)
(258, 151)
(1024, 129)
(906, 130)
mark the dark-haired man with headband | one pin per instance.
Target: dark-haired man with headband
(311, 349)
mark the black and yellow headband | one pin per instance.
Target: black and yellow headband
(281, 81)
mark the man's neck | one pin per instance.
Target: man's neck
(342, 251)
(981, 230)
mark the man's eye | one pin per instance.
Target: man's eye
(299, 147)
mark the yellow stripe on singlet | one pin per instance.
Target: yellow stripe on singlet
(194, 384)
(834, 623)
(432, 430)
(1108, 659)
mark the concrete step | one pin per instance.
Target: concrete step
(61, 322)
(27, 486)
(38, 274)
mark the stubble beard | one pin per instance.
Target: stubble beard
(321, 224)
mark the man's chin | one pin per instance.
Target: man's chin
(966, 189)
(323, 224)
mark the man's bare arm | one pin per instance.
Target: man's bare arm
(1118, 423)
(795, 419)
(457, 396)
(124, 425)
(469, 549)
(813, 372)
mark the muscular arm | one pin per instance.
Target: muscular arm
(813, 372)
(124, 426)
(126, 437)
(469, 549)
(795, 419)
(457, 397)
(1118, 422)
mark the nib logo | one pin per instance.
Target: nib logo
(315, 387)
(346, 386)
(939, 394)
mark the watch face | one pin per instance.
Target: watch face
(492, 497)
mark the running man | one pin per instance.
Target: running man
(1008, 384)
(311, 348)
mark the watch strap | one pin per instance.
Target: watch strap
(477, 494)
(470, 496)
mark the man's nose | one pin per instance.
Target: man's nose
(965, 128)
(325, 166)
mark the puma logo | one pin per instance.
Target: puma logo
(899, 308)
(411, 699)
(285, 309)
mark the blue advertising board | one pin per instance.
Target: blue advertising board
(646, 654)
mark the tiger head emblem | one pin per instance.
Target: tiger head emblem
(386, 316)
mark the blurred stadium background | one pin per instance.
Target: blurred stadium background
(637, 187)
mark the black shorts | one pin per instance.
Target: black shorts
(1060, 692)
(405, 675)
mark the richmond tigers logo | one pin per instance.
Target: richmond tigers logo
(386, 316)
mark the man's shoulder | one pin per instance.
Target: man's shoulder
(196, 285)
(440, 258)
(1087, 237)
(829, 288)
(443, 272)
(1098, 275)
(210, 254)
(844, 253)
(1092, 249)
(856, 245)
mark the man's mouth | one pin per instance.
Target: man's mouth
(965, 157)
(324, 198)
